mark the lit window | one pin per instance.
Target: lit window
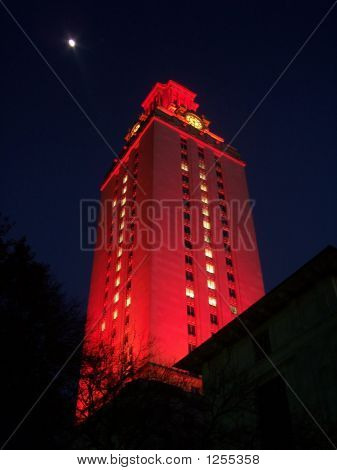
(118, 281)
(206, 224)
(189, 292)
(125, 178)
(128, 301)
(115, 314)
(122, 214)
(114, 202)
(103, 326)
(123, 201)
(118, 267)
(212, 301)
(208, 253)
(121, 226)
(184, 166)
(233, 309)
(204, 199)
(205, 211)
(119, 252)
(211, 284)
(207, 238)
(202, 165)
(203, 187)
(124, 189)
(202, 176)
(210, 268)
(116, 298)
(121, 238)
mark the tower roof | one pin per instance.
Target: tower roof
(165, 94)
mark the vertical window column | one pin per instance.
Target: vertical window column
(226, 238)
(189, 276)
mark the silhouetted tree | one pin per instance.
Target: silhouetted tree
(40, 328)
(103, 375)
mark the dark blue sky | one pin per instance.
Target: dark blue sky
(229, 53)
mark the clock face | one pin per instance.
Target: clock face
(194, 121)
(135, 128)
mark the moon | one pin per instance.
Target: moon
(72, 43)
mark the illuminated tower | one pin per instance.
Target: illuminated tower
(177, 258)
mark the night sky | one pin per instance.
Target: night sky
(229, 53)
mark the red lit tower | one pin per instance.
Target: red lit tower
(171, 277)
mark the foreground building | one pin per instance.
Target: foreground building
(271, 374)
(176, 257)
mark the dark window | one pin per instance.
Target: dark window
(230, 277)
(221, 196)
(188, 244)
(232, 293)
(185, 178)
(191, 329)
(275, 429)
(263, 340)
(128, 285)
(229, 262)
(188, 259)
(184, 156)
(127, 318)
(189, 275)
(218, 164)
(214, 319)
(220, 185)
(187, 229)
(187, 216)
(113, 333)
(191, 347)
(186, 203)
(219, 174)
(223, 208)
(190, 311)
(225, 233)
(224, 221)
(186, 191)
